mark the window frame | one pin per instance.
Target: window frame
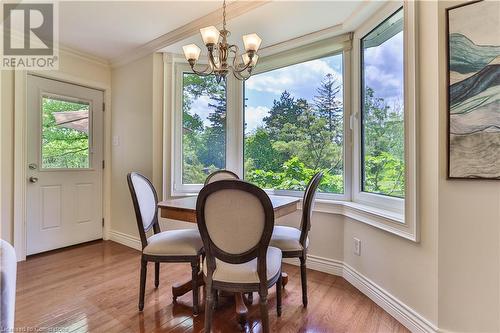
(297, 56)
(394, 215)
(406, 226)
(178, 188)
(70, 99)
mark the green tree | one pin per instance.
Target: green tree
(328, 105)
(259, 150)
(63, 147)
(284, 111)
(214, 136)
(383, 139)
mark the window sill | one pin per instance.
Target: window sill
(383, 219)
(388, 221)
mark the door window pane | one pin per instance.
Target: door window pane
(203, 127)
(65, 134)
(382, 132)
(294, 126)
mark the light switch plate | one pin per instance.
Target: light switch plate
(357, 246)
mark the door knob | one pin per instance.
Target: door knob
(33, 179)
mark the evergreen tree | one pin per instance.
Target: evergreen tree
(285, 111)
(329, 106)
(214, 148)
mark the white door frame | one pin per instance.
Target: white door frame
(20, 151)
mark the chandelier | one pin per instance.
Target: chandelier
(219, 52)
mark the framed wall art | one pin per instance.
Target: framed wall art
(473, 35)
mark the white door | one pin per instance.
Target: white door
(64, 163)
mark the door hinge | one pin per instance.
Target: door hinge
(103, 106)
(103, 164)
(103, 221)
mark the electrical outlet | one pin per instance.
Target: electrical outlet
(357, 246)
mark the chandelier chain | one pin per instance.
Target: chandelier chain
(224, 15)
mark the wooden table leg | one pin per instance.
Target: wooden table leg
(284, 278)
(179, 289)
(241, 309)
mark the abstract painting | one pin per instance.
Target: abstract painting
(474, 90)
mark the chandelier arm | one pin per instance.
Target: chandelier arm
(241, 70)
(211, 57)
(235, 50)
(240, 77)
(204, 72)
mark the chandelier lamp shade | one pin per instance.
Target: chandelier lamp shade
(223, 57)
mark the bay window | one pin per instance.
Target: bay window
(203, 127)
(294, 126)
(382, 108)
(344, 105)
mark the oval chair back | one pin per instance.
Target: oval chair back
(236, 221)
(145, 202)
(307, 206)
(220, 175)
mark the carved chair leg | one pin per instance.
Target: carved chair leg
(263, 311)
(209, 307)
(195, 268)
(279, 288)
(142, 286)
(157, 274)
(303, 278)
(216, 298)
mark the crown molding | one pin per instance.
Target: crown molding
(233, 10)
(66, 50)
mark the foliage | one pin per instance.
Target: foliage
(296, 140)
(329, 106)
(62, 147)
(383, 146)
(204, 147)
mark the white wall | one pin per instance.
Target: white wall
(407, 270)
(133, 121)
(469, 233)
(451, 277)
(72, 68)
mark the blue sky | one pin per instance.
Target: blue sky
(383, 73)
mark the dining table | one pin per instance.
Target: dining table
(184, 209)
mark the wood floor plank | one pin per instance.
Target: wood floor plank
(94, 288)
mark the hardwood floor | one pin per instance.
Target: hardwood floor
(94, 288)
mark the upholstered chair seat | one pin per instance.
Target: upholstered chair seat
(287, 238)
(246, 272)
(294, 242)
(185, 242)
(236, 220)
(163, 246)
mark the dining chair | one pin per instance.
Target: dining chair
(294, 242)
(176, 246)
(236, 220)
(8, 271)
(220, 175)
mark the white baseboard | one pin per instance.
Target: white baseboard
(403, 313)
(321, 264)
(399, 310)
(125, 239)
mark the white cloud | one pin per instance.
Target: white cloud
(301, 79)
(200, 107)
(254, 116)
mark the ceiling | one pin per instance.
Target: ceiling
(111, 29)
